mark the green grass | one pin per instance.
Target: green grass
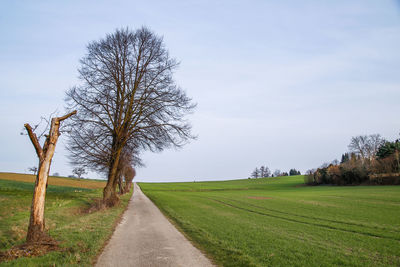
(82, 235)
(280, 222)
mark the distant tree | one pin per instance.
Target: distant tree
(262, 171)
(345, 158)
(324, 165)
(294, 172)
(33, 169)
(388, 148)
(358, 145)
(267, 172)
(277, 173)
(366, 146)
(256, 173)
(79, 171)
(284, 174)
(56, 174)
(375, 142)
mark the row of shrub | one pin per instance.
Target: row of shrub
(382, 168)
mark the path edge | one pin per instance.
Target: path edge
(180, 230)
(114, 226)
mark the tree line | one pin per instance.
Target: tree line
(264, 172)
(370, 160)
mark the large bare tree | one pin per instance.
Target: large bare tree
(127, 98)
(36, 228)
(366, 146)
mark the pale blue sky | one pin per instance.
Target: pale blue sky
(278, 83)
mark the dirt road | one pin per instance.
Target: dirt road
(146, 238)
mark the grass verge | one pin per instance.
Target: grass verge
(81, 234)
(278, 222)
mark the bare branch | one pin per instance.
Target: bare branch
(34, 140)
(66, 116)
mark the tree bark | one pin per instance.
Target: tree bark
(36, 228)
(128, 186)
(110, 197)
(120, 184)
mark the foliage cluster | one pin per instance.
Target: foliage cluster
(380, 167)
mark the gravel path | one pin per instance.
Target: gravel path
(146, 238)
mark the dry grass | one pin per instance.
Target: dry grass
(59, 181)
(29, 250)
(75, 220)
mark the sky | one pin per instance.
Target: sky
(284, 84)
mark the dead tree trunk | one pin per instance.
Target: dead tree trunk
(36, 228)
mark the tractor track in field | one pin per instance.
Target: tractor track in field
(299, 221)
(314, 218)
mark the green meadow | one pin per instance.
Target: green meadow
(80, 232)
(281, 222)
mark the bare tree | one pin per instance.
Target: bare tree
(33, 169)
(45, 154)
(267, 172)
(375, 142)
(127, 98)
(79, 171)
(255, 173)
(366, 146)
(262, 171)
(277, 173)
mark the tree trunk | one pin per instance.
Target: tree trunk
(36, 228)
(128, 186)
(110, 197)
(121, 185)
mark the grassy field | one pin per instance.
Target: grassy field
(281, 222)
(81, 234)
(54, 180)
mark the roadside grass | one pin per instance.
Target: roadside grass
(280, 222)
(81, 234)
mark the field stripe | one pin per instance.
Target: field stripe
(315, 218)
(307, 223)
